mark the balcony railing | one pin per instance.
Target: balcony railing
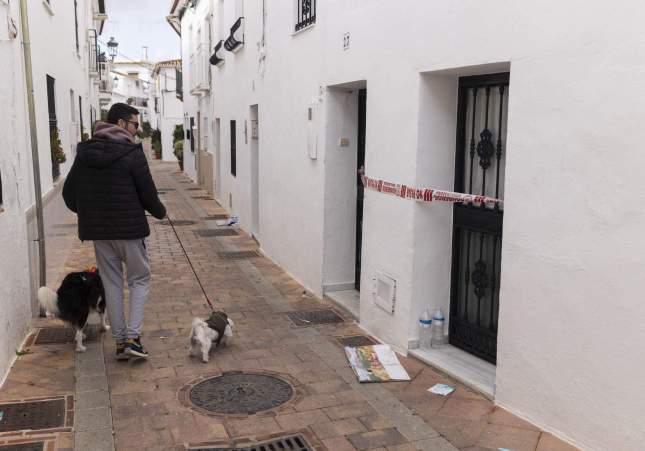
(236, 39)
(306, 14)
(217, 58)
(93, 54)
(200, 71)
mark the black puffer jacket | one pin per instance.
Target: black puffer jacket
(109, 187)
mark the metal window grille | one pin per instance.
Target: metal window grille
(78, 47)
(1, 190)
(306, 14)
(53, 121)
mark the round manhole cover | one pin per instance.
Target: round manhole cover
(240, 393)
(177, 222)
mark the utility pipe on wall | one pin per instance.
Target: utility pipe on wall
(26, 47)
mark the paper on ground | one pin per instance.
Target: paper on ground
(441, 389)
(377, 363)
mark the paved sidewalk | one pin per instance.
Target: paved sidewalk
(333, 410)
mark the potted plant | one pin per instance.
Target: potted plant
(58, 155)
(156, 142)
(179, 153)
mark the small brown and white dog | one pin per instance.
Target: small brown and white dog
(217, 328)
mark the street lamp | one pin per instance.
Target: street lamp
(112, 46)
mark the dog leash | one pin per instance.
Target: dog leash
(192, 268)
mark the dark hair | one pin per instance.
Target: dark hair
(121, 111)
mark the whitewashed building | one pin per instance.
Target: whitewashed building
(532, 103)
(66, 100)
(165, 105)
(131, 84)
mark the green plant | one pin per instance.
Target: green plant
(84, 135)
(178, 134)
(179, 150)
(156, 142)
(146, 129)
(58, 155)
(130, 100)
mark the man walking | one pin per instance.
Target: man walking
(110, 187)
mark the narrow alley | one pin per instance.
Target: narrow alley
(145, 404)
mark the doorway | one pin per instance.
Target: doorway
(255, 171)
(477, 228)
(360, 191)
(218, 158)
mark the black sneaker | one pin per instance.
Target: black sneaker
(120, 351)
(134, 347)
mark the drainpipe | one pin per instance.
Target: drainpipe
(26, 46)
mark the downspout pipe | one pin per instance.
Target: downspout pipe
(26, 47)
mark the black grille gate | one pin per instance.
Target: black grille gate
(477, 228)
(306, 14)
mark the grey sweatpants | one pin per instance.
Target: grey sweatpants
(110, 256)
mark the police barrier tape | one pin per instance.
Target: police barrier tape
(424, 194)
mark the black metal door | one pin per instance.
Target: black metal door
(360, 163)
(53, 123)
(477, 228)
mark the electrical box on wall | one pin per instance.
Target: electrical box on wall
(254, 129)
(384, 292)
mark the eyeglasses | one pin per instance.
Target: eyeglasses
(136, 124)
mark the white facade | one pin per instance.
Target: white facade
(56, 29)
(572, 259)
(131, 83)
(166, 108)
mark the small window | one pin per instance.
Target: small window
(233, 150)
(305, 13)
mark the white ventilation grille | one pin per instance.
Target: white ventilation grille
(384, 292)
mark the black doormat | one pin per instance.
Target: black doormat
(291, 443)
(216, 232)
(35, 446)
(215, 217)
(356, 340)
(314, 317)
(58, 335)
(238, 255)
(32, 415)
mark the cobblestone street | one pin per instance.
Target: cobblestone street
(140, 405)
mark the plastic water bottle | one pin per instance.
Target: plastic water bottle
(425, 324)
(437, 339)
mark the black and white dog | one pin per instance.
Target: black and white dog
(80, 294)
(217, 328)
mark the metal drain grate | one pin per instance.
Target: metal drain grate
(240, 393)
(314, 317)
(291, 443)
(356, 340)
(238, 255)
(216, 232)
(177, 222)
(215, 217)
(202, 197)
(165, 189)
(33, 415)
(193, 189)
(35, 446)
(58, 335)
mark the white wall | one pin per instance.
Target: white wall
(572, 255)
(70, 69)
(15, 170)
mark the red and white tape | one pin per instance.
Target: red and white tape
(424, 194)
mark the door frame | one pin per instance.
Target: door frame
(487, 221)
